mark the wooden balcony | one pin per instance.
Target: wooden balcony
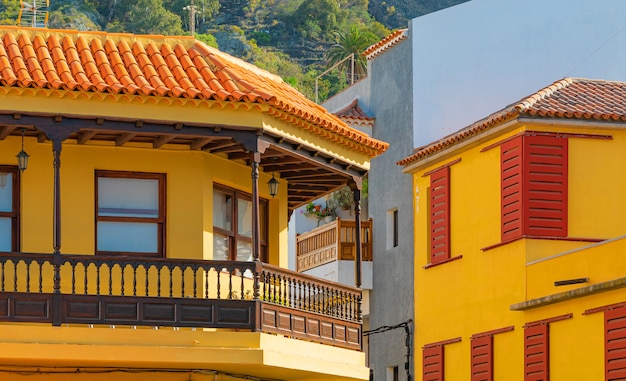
(331, 242)
(86, 289)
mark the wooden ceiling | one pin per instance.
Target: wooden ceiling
(310, 174)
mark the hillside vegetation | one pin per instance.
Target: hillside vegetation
(296, 39)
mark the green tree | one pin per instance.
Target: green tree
(205, 11)
(351, 41)
(9, 9)
(317, 17)
(139, 16)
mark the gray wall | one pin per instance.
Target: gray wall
(392, 295)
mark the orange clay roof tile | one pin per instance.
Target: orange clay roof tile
(386, 43)
(569, 98)
(177, 67)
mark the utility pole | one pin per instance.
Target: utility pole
(192, 17)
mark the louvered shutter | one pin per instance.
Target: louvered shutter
(432, 363)
(615, 344)
(482, 358)
(545, 186)
(536, 353)
(440, 215)
(511, 189)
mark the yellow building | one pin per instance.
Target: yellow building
(139, 238)
(520, 241)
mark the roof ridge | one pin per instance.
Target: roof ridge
(526, 103)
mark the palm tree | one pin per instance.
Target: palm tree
(351, 41)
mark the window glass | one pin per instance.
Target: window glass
(128, 237)
(244, 251)
(222, 209)
(130, 215)
(6, 193)
(122, 197)
(244, 217)
(220, 247)
(5, 234)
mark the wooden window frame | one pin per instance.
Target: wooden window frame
(14, 214)
(537, 352)
(233, 236)
(614, 347)
(439, 212)
(160, 220)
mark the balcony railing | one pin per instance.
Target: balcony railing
(87, 289)
(333, 241)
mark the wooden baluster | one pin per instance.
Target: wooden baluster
(242, 286)
(134, 279)
(182, 281)
(171, 281)
(147, 269)
(219, 288)
(159, 269)
(40, 278)
(28, 276)
(110, 267)
(2, 276)
(85, 284)
(230, 283)
(15, 276)
(122, 271)
(194, 270)
(97, 279)
(73, 266)
(206, 282)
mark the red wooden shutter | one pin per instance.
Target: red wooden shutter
(432, 363)
(536, 353)
(511, 189)
(482, 358)
(615, 344)
(440, 215)
(545, 186)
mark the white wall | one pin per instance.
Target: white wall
(478, 57)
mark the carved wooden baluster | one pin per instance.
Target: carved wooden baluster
(85, 285)
(110, 267)
(122, 270)
(206, 282)
(97, 279)
(15, 277)
(28, 276)
(159, 269)
(182, 280)
(219, 288)
(301, 300)
(230, 283)
(2, 276)
(147, 268)
(73, 266)
(40, 278)
(134, 267)
(243, 287)
(195, 269)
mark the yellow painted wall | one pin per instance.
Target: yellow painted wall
(190, 179)
(474, 294)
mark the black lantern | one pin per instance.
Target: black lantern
(22, 157)
(272, 184)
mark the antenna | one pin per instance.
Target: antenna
(34, 13)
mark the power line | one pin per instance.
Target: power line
(406, 325)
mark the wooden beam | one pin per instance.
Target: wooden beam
(160, 141)
(124, 138)
(84, 137)
(199, 143)
(6, 131)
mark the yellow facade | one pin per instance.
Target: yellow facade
(177, 314)
(501, 287)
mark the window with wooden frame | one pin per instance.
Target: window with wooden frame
(232, 225)
(440, 215)
(615, 344)
(432, 363)
(534, 187)
(130, 213)
(482, 358)
(9, 208)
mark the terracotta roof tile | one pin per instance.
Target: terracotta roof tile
(353, 115)
(176, 67)
(569, 98)
(386, 43)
